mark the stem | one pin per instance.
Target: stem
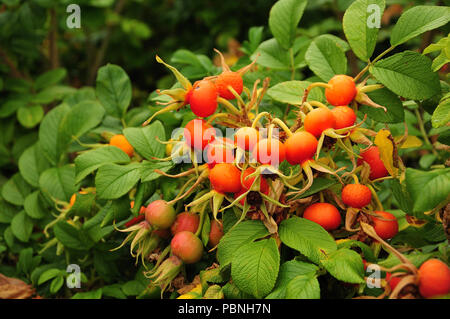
(291, 56)
(360, 74)
(281, 124)
(316, 104)
(424, 133)
(229, 106)
(258, 117)
(312, 86)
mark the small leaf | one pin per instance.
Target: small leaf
(30, 116)
(245, 232)
(58, 182)
(288, 271)
(359, 30)
(307, 237)
(22, 226)
(113, 89)
(113, 181)
(88, 162)
(345, 265)
(407, 74)
(418, 20)
(144, 139)
(50, 78)
(325, 58)
(291, 92)
(257, 272)
(428, 188)
(303, 287)
(283, 20)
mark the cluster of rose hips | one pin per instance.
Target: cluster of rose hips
(246, 166)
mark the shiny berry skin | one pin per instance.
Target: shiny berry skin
(160, 214)
(434, 278)
(203, 98)
(386, 229)
(324, 214)
(229, 78)
(198, 133)
(246, 138)
(185, 221)
(356, 195)
(221, 150)
(247, 182)
(186, 246)
(269, 151)
(216, 233)
(225, 178)
(344, 116)
(392, 281)
(73, 198)
(121, 142)
(318, 120)
(342, 91)
(300, 146)
(372, 157)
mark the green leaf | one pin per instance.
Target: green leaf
(7, 211)
(418, 20)
(82, 117)
(144, 140)
(49, 78)
(326, 58)
(395, 111)
(147, 169)
(272, 55)
(407, 74)
(58, 182)
(359, 27)
(345, 265)
(113, 89)
(291, 92)
(22, 226)
(49, 136)
(30, 116)
(283, 20)
(49, 274)
(441, 115)
(71, 237)
(303, 287)
(16, 190)
(288, 271)
(94, 294)
(243, 233)
(365, 250)
(257, 273)
(428, 189)
(133, 288)
(319, 184)
(56, 284)
(34, 207)
(307, 237)
(113, 181)
(32, 163)
(88, 162)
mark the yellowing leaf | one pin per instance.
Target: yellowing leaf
(388, 152)
(411, 141)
